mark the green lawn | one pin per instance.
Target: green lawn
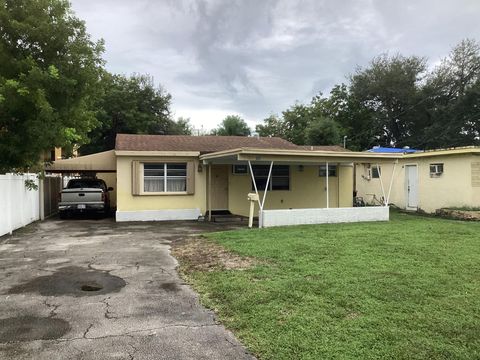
(404, 289)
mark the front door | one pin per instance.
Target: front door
(412, 187)
(220, 187)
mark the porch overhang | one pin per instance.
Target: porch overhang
(281, 156)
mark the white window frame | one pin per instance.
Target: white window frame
(437, 172)
(165, 178)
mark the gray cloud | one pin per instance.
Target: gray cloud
(256, 57)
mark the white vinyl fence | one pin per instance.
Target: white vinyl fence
(19, 206)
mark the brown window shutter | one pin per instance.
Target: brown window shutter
(136, 177)
(191, 177)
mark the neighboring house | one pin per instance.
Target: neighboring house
(427, 180)
(185, 177)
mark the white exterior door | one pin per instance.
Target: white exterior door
(412, 186)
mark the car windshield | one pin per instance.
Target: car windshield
(85, 183)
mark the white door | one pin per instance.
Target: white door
(412, 187)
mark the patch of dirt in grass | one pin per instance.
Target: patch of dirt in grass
(467, 215)
(199, 254)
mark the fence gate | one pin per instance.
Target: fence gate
(52, 185)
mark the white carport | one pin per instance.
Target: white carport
(102, 162)
(102, 165)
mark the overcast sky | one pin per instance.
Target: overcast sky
(257, 57)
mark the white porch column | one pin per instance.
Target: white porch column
(391, 183)
(260, 203)
(267, 184)
(381, 184)
(328, 191)
(209, 207)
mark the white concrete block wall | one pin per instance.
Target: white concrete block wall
(19, 206)
(272, 218)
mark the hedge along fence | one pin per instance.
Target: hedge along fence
(19, 203)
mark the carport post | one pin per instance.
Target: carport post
(209, 207)
(260, 204)
(267, 184)
(391, 182)
(381, 184)
(254, 183)
(326, 180)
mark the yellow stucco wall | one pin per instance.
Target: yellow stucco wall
(307, 190)
(111, 181)
(452, 188)
(128, 202)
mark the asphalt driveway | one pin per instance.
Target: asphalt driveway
(95, 289)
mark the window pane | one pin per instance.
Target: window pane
(280, 183)
(332, 170)
(281, 170)
(260, 170)
(240, 169)
(176, 169)
(261, 182)
(280, 179)
(153, 166)
(154, 184)
(376, 172)
(176, 184)
(153, 169)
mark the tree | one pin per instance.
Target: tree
(232, 125)
(353, 118)
(49, 69)
(131, 105)
(272, 126)
(390, 89)
(322, 131)
(181, 127)
(295, 122)
(452, 100)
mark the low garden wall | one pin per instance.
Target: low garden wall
(270, 218)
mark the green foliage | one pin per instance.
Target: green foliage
(395, 101)
(232, 125)
(323, 131)
(452, 100)
(390, 89)
(181, 127)
(304, 124)
(31, 185)
(404, 289)
(272, 126)
(49, 69)
(131, 105)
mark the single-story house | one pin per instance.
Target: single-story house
(161, 177)
(426, 180)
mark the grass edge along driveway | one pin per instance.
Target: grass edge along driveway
(404, 289)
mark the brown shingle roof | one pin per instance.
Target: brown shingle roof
(324, 148)
(203, 144)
